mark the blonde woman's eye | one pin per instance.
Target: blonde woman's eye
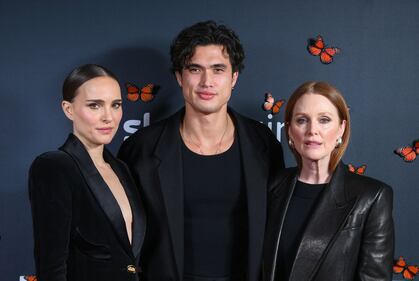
(324, 120)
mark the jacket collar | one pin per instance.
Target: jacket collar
(255, 172)
(333, 204)
(170, 171)
(104, 196)
(279, 199)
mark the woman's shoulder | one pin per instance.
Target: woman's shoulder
(52, 162)
(362, 185)
(53, 175)
(53, 158)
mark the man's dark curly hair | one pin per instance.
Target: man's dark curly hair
(203, 34)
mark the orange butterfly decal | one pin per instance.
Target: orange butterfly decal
(271, 105)
(408, 153)
(408, 271)
(145, 94)
(359, 170)
(316, 47)
(30, 278)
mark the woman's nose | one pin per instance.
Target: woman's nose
(107, 115)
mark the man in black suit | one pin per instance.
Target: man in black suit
(203, 172)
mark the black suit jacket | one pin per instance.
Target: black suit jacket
(350, 235)
(79, 231)
(154, 157)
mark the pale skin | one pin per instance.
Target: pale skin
(207, 81)
(96, 112)
(314, 129)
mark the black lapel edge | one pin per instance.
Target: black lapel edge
(137, 208)
(98, 187)
(170, 172)
(333, 202)
(288, 178)
(255, 165)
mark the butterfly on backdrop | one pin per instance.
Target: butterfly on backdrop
(357, 170)
(145, 94)
(408, 271)
(408, 153)
(271, 105)
(316, 47)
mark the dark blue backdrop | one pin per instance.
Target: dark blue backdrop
(377, 71)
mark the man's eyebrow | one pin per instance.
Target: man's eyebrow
(219, 65)
(195, 65)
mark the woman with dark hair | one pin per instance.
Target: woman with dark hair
(88, 219)
(324, 222)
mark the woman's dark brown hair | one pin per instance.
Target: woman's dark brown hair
(80, 75)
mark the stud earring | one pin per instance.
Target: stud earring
(339, 142)
(291, 143)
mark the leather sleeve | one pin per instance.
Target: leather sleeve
(377, 248)
(51, 203)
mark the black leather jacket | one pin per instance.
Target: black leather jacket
(350, 235)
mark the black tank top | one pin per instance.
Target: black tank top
(215, 212)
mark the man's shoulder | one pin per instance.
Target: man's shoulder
(259, 135)
(152, 131)
(247, 121)
(253, 126)
(147, 132)
(145, 139)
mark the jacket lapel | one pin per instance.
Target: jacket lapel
(255, 171)
(328, 218)
(137, 209)
(168, 152)
(278, 205)
(98, 187)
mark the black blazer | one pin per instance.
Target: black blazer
(79, 231)
(154, 157)
(350, 235)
